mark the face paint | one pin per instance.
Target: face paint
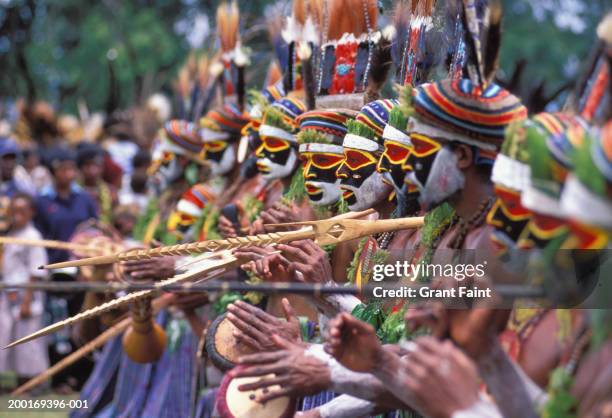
(508, 217)
(586, 237)
(363, 187)
(221, 157)
(276, 158)
(443, 177)
(319, 169)
(421, 158)
(392, 161)
(541, 230)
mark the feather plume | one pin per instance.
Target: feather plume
(315, 10)
(351, 16)
(472, 42)
(203, 71)
(228, 19)
(379, 69)
(492, 41)
(299, 12)
(401, 23)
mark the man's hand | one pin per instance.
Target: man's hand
(353, 343)
(593, 383)
(157, 268)
(309, 263)
(264, 263)
(226, 228)
(440, 377)
(298, 373)
(280, 213)
(255, 327)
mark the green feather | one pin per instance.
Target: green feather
(296, 193)
(358, 128)
(397, 119)
(310, 136)
(406, 100)
(275, 117)
(145, 219)
(585, 169)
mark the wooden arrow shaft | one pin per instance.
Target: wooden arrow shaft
(60, 245)
(83, 351)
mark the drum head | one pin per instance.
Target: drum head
(221, 345)
(232, 403)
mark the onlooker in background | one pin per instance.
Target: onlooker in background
(59, 210)
(9, 150)
(90, 160)
(32, 172)
(64, 205)
(135, 192)
(21, 312)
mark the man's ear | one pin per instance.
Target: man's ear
(465, 156)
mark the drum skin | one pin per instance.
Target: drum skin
(232, 403)
(221, 345)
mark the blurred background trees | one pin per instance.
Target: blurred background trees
(113, 53)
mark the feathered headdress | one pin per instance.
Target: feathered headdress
(193, 87)
(233, 57)
(592, 98)
(355, 57)
(482, 23)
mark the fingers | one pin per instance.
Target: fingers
(261, 358)
(260, 370)
(264, 383)
(245, 311)
(246, 328)
(274, 394)
(290, 314)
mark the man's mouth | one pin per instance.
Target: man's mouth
(312, 190)
(346, 194)
(263, 168)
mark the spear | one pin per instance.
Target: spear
(89, 347)
(323, 232)
(227, 261)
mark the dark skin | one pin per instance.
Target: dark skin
(254, 326)
(64, 174)
(7, 166)
(298, 374)
(434, 390)
(593, 383)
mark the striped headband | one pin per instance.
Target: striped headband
(331, 123)
(184, 135)
(280, 120)
(566, 132)
(375, 115)
(462, 111)
(223, 123)
(194, 200)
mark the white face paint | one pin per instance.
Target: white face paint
(443, 181)
(330, 192)
(272, 171)
(225, 165)
(371, 192)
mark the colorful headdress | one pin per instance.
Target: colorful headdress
(511, 167)
(366, 131)
(459, 110)
(193, 87)
(587, 196)
(223, 124)
(280, 119)
(416, 46)
(551, 141)
(323, 130)
(593, 96)
(355, 58)
(182, 137)
(233, 56)
(194, 200)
